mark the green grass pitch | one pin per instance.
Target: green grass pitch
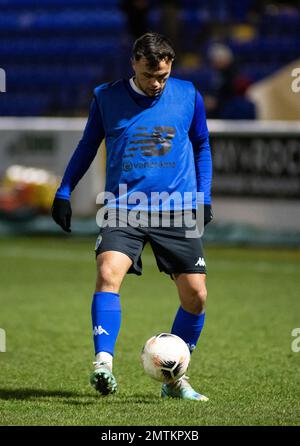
(244, 362)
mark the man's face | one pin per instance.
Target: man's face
(151, 80)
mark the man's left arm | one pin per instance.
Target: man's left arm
(199, 137)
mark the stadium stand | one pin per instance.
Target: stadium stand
(56, 51)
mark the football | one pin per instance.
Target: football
(165, 357)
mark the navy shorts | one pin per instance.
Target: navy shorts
(173, 251)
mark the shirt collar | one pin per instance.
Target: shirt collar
(135, 88)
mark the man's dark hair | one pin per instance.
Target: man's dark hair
(154, 47)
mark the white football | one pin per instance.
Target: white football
(165, 357)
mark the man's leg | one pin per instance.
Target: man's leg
(188, 325)
(190, 317)
(106, 316)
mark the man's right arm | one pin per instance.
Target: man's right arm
(78, 165)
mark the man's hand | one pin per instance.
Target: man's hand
(208, 214)
(62, 213)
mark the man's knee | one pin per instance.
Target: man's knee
(108, 278)
(200, 299)
(196, 300)
(111, 269)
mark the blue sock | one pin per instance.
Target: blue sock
(106, 318)
(188, 327)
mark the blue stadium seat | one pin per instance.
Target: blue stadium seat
(238, 108)
(271, 49)
(257, 72)
(201, 77)
(58, 4)
(39, 77)
(78, 44)
(29, 49)
(111, 21)
(24, 104)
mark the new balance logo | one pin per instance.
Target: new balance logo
(99, 331)
(151, 142)
(200, 262)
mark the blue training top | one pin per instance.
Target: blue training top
(153, 145)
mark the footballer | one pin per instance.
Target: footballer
(157, 140)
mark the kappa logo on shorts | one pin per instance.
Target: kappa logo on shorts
(200, 262)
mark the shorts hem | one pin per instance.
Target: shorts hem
(191, 271)
(132, 269)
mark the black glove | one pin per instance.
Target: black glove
(208, 214)
(62, 213)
